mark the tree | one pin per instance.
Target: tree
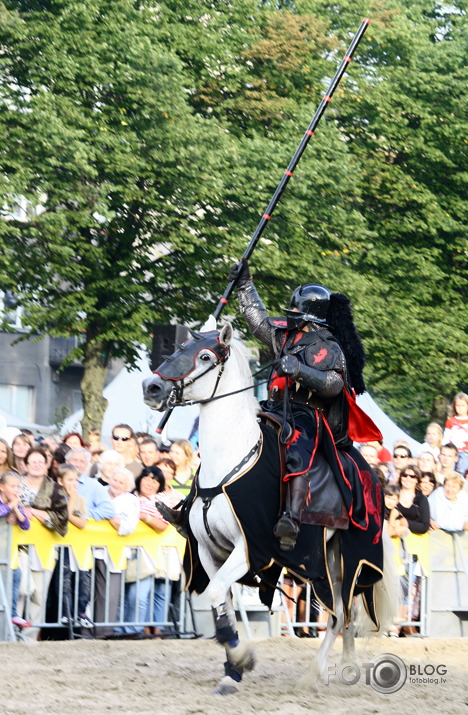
(96, 131)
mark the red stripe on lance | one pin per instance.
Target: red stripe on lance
(288, 173)
(327, 98)
(311, 134)
(223, 300)
(347, 59)
(267, 217)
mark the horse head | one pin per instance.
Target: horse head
(190, 372)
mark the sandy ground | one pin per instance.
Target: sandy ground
(178, 677)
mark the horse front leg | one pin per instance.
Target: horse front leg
(239, 656)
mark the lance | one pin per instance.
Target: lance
(266, 216)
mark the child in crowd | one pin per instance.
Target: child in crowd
(14, 513)
(67, 477)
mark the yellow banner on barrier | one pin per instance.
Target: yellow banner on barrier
(95, 533)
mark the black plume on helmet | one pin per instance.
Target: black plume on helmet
(341, 324)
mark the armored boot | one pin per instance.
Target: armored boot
(287, 528)
(176, 517)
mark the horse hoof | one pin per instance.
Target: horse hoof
(226, 686)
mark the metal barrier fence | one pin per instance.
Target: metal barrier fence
(122, 603)
(65, 601)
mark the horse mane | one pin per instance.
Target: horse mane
(242, 355)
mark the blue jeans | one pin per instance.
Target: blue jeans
(159, 600)
(15, 587)
(134, 611)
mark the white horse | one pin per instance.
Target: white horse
(229, 432)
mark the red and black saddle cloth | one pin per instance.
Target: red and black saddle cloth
(255, 498)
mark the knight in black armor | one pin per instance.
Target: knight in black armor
(309, 382)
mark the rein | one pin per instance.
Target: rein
(177, 392)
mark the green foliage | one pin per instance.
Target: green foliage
(153, 137)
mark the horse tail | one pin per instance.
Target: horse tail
(387, 596)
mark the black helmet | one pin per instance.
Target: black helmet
(312, 300)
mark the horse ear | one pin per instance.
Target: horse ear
(225, 336)
(209, 325)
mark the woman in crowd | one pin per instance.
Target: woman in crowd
(182, 454)
(109, 460)
(414, 507)
(20, 447)
(147, 485)
(428, 483)
(168, 469)
(456, 429)
(6, 457)
(46, 502)
(74, 440)
(449, 505)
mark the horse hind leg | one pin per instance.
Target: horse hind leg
(239, 656)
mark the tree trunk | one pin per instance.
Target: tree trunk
(92, 385)
(440, 409)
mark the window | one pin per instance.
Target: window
(17, 399)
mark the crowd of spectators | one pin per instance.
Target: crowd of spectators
(69, 480)
(423, 492)
(72, 480)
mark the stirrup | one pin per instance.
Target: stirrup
(286, 530)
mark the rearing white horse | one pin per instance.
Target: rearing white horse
(213, 369)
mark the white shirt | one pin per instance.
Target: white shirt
(447, 514)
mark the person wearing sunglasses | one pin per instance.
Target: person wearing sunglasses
(401, 458)
(124, 442)
(414, 508)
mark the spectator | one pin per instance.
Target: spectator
(99, 506)
(29, 436)
(147, 485)
(456, 429)
(11, 509)
(126, 518)
(401, 457)
(449, 505)
(414, 507)
(47, 503)
(433, 439)
(67, 478)
(6, 457)
(59, 457)
(182, 454)
(74, 440)
(124, 442)
(428, 483)
(448, 458)
(370, 454)
(108, 461)
(168, 468)
(149, 452)
(428, 463)
(397, 525)
(20, 447)
(94, 437)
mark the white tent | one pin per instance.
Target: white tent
(126, 404)
(390, 431)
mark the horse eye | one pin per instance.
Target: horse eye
(205, 357)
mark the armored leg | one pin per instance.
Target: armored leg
(287, 528)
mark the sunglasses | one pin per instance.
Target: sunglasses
(401, 456)
(413, 476)
(122, 439)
